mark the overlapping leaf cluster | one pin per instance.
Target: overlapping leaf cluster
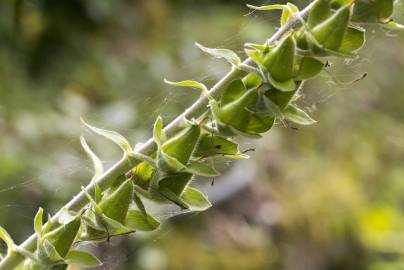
(248, 107)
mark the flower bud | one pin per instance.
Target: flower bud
(62, 237)
(116, 205)
(281, 60)
(175, 182)
(330, 33)
(237, 113)
(182, 145)
(375, 11)
(320, 11)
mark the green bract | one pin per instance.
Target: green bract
(63, 237)
(235, 114)
(320, 11)
(372, 11)
(116, 205)
(108, 217)
(179, 148)
(330, 33)
(280, 63)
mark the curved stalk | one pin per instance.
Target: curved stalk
(13, 259)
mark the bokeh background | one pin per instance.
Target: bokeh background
(328, 196)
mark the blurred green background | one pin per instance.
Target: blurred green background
(328, 196)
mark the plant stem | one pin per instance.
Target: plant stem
(13, 259)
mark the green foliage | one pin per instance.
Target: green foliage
(248, 107)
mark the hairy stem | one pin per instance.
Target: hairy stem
(13, 259)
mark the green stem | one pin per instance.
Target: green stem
(13, 259)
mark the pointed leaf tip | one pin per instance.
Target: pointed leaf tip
(38, 222)
(82, 259)
(113, 136)
(226, 54)
(97, 163)
(139, 221)
(190, 83)
(7, 238)
(158, 132)
(298, 116)
(195, 199)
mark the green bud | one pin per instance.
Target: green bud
(175, 182)
(213, 145)
(237, 113)
(279, 98)
(281, 60)
(62, 237)
(372, 11)
(143, 173)
(252, 80)
(182, 145)
(320, 11)
(260, 124)
(308, 67)
(336, 4)
(330, 33)
(116, 205)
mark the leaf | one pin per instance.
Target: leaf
(330, 33)
(113, 136)
(181, 146)
(268, 7)
(158, 131)
(320, 11)
(226, 54)
(62, 238)
(195, 199)
(308, 68)
(117, 227)
(143, 172)
(82, 259)
(66, 216)
(91, 200)
(97, 193)
(38, 222)
(298, 116)
(175, 183)
(237, 156)
(189, 83)
(354, 39)
(336, 4)
(252, 80)
(51, 251)
(280, 61)
(201, 169)
(285, 86)
(276, 100)
(255, 56)
(234, 91)
(392, 25)
(260, 124)
(245, 133)
(116, 204)
(97, 163)
(374, 11)
(137, 221)
(48, 225)
(7, 239)
(288, 13)
(210, 145)
(264, 48)
(168, 163)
